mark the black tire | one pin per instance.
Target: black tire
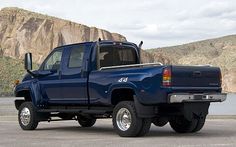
(86, 121)
(200, 124)
(160, 121)
(181, 125)
(24, 109)
(146, 126)
(136, 127)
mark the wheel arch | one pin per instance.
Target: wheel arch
(129, 94)
(122, 94)
(118, 88)
(27, 97)
(26, 93)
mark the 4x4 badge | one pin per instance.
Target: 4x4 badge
(123, 79)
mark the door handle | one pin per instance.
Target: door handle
(197, 74)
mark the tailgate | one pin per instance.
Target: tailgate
(196, 76)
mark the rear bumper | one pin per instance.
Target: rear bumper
(205, 97)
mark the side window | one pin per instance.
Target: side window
(76, 56)
(54, 61)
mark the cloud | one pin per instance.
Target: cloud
(217, 9)
(157, 23)
(128, 27)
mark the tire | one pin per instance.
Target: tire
(160, 121)
(181, 125)
(126, 122)
(146, 127)
(86, 121)
(27, 116)
(200, 124)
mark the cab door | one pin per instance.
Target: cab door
(74, 82)
(50, 82)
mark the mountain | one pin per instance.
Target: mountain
(23, 31)
(217, 52)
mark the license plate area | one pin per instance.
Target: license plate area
(198, 97)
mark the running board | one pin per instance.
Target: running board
(92, 110)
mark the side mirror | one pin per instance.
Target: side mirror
(28, 61)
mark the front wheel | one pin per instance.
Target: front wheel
(27, 116)
(126, 122)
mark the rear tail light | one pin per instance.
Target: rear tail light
(166, 79)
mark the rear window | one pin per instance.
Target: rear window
(117, 55)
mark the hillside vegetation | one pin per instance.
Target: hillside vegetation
(11, 69)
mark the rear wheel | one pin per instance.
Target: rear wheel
(145, 127)
(200, 124)
(182, 125)
(126, 122)
(27, 116)
(86, 121)
(160, 121)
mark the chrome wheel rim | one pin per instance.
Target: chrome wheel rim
(123, 119)
(25, 116)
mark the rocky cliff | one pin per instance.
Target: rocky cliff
(217, 52)
(23, 31)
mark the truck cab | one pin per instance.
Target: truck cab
(106, 79)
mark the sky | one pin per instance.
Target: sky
(156, 22)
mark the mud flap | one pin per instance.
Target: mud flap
(144, 111)
(195, 110)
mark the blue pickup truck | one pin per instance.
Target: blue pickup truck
(106, 79)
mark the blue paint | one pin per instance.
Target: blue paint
(87, 85)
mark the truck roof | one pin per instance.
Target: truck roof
(101, 42)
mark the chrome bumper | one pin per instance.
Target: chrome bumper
(186, 97)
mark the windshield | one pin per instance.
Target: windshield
(117, 55)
